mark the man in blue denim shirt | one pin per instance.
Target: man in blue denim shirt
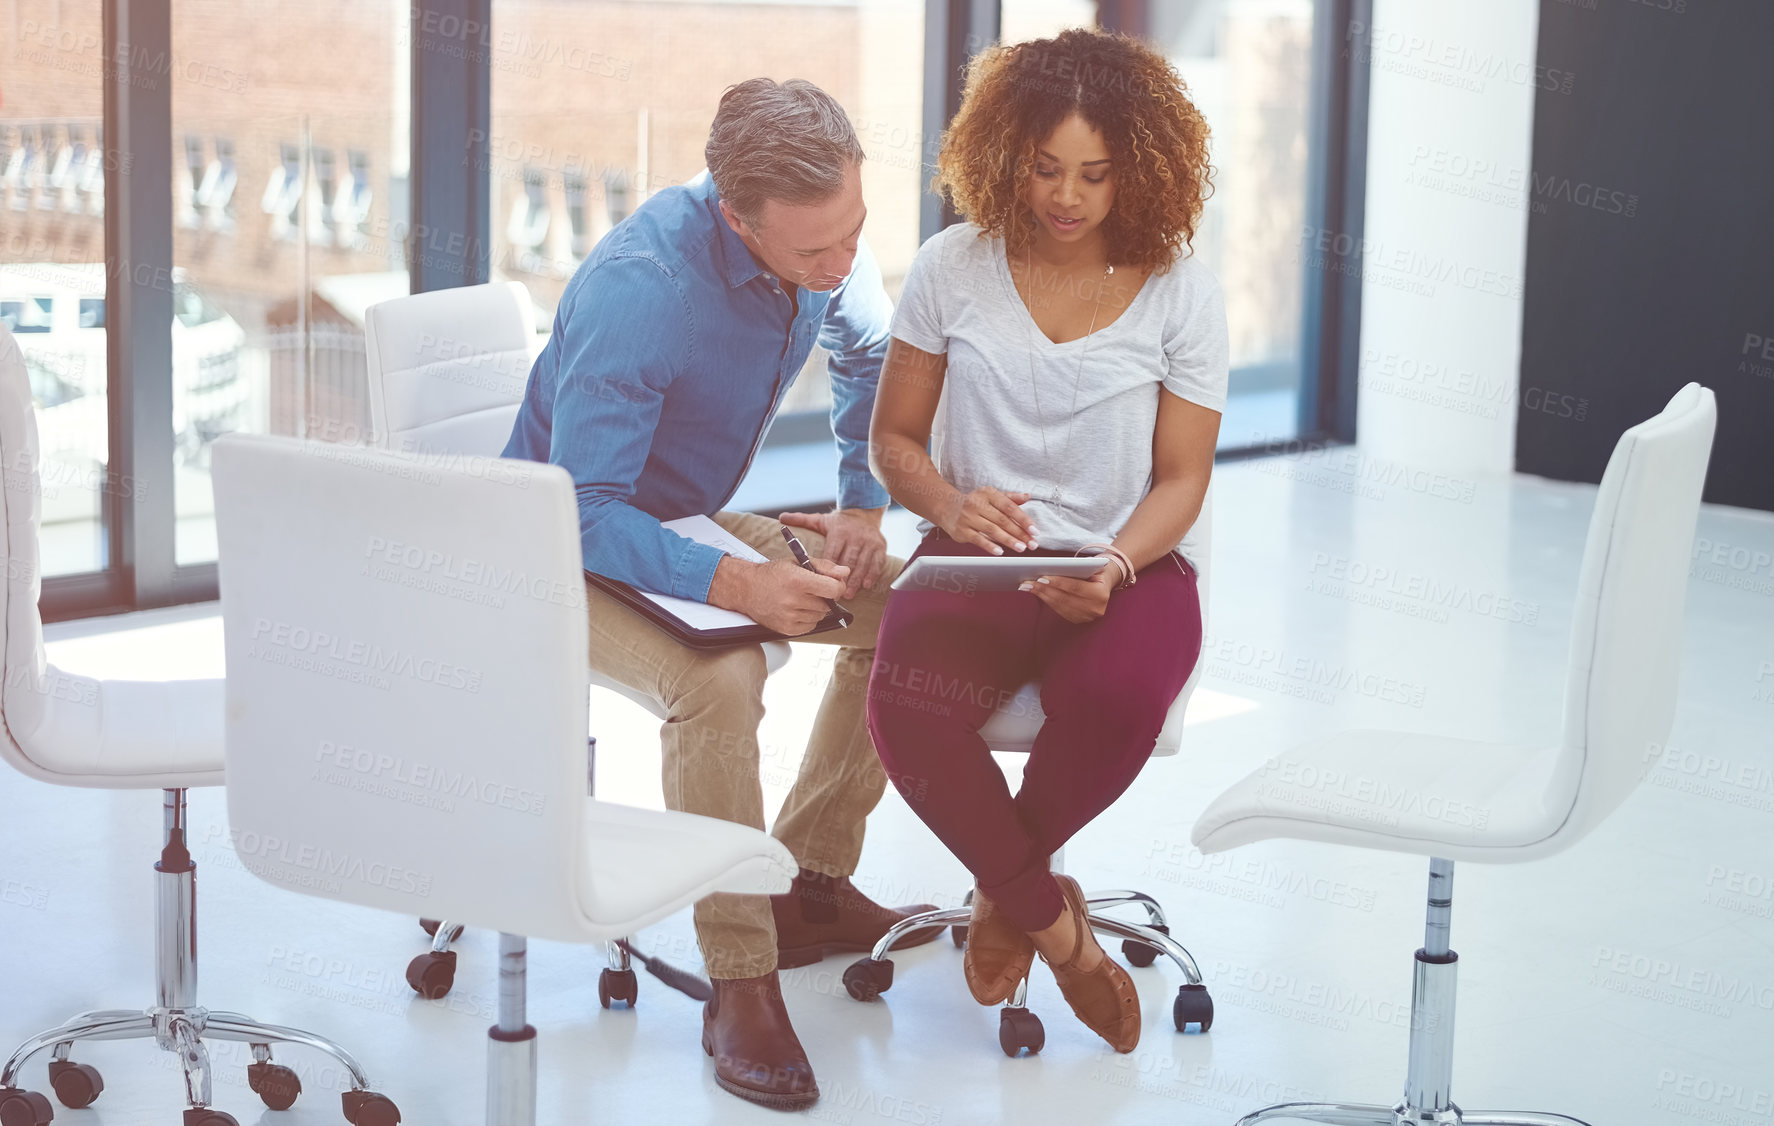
(673, 348)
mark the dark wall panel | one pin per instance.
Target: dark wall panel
(1650, 258)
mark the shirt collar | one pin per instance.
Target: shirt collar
(740, 265)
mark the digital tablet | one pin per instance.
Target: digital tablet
(970, 574)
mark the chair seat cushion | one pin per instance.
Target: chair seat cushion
(1397, 791)
(128, 734)
(644, 864)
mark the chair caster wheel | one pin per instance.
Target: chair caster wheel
(867, 979)
(958, 934)
(366, 1108)
(617, 985)
(1138, 953)
(432, 973)
(209, 1116)
(1192, 1006)
(24, 1108)
(1019, 1029)
(276, 1084)
(75, 1084)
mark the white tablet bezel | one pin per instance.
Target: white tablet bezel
(972, 574)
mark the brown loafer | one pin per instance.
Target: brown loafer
(823, 915)
(998, 954)
(758, 1057)
(1104, 998)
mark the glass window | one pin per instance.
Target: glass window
(1247, 64)
(642, 82)
(269, 300)
(322, 217)
(616, 198)
(1021, 20)
(195, 166)
(573, 183)
(29, 315)
(214, 196)
(52, 255)
(356, 199)
(283, 190)
(48, 388)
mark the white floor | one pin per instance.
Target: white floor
(1629, 981)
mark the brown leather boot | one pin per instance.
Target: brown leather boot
(998, 954)
(758, 1057)
(823, 915)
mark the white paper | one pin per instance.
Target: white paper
(702, 615)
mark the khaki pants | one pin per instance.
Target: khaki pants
(713, 700)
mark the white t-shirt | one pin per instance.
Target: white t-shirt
(1071, 424)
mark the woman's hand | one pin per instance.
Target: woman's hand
(989, 518)
(1077, 600)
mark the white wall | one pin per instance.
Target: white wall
(1450, 123)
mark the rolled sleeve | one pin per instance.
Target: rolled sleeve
(612, 383)
(855, 331)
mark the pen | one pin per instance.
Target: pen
(794, 545)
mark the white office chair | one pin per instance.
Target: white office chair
(447, 371)
(71, 730)
(1619, 702)
(1012, 729)
(406, 655)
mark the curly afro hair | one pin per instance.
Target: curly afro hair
(1017, 95)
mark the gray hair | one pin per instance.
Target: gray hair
(788, 141)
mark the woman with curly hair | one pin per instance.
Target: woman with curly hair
(1084, 354)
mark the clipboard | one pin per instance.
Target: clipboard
(698, 624)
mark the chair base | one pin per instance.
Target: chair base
(1372, 1114)
(1429, 1074)
(183, 1032)
(177, 1024)
(1019, 1029)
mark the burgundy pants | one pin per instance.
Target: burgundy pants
(945, 662)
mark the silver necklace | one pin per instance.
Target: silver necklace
(1077, 379)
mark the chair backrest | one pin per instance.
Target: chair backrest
(23, 665)
(1626, 631)
(46, 712)
(447, 368)
(406, 649)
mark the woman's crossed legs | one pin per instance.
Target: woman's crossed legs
(945, 662)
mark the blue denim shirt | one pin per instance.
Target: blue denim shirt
(672, 350)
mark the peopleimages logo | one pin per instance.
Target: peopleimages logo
(398, 777)
(420, 562)
(1424, 588)
(290, 641)
(305, 865)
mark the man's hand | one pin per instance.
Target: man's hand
(1076, 600)
(853, 540)
(780, 594)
